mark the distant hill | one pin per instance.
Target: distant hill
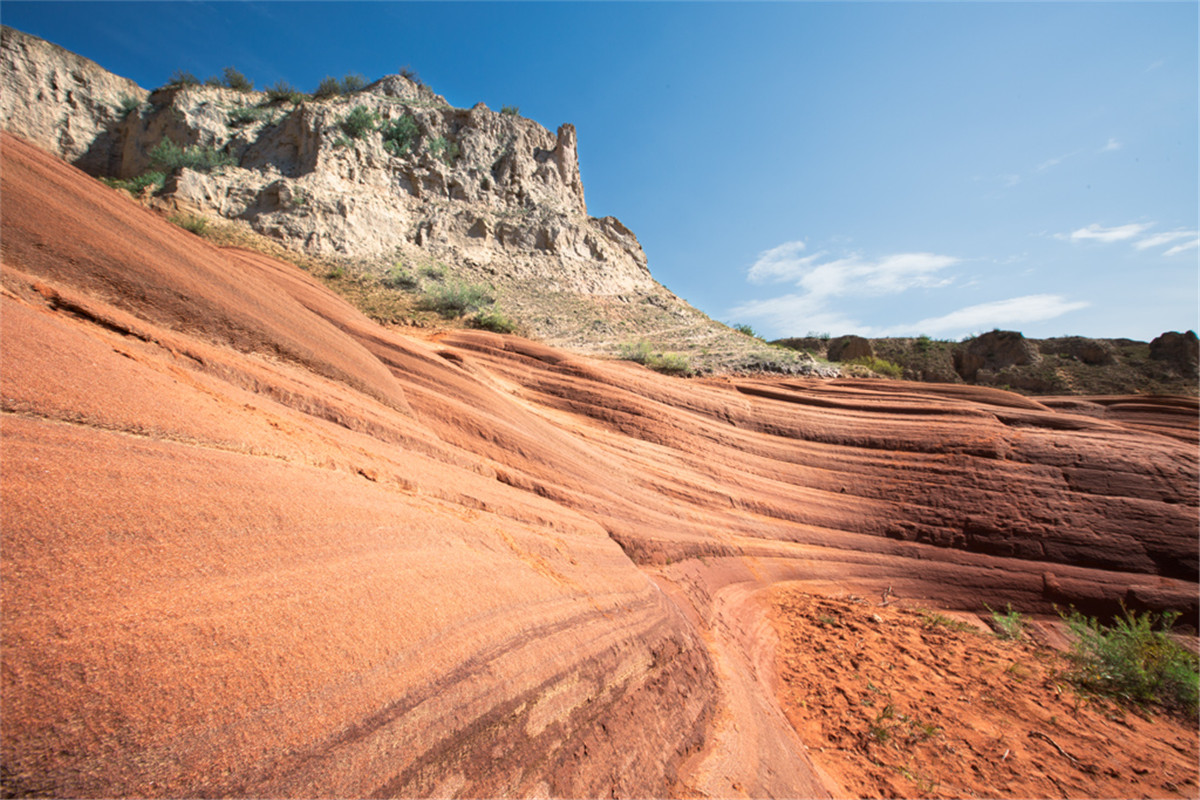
(1069, 365)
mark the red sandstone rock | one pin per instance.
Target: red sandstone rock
(256, 544)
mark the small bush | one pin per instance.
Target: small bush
(493, 319)
(169, 157)
(399, 277)
(127, 106)
(923, 343)
(747, 330)
(328, 87)
(183, 78)
(353, 82)
(455, 299)
(214, 81)
(359, 122)
(447, 151)
(1008, 624)
(190, 222)
(236, 80)
(879, 366)
(284, 92)
(511, 111)
(1135, 659)
(400, 135)
(246, 115)
(670, 363)
(435, 271)
(142, 182)
(408, 72)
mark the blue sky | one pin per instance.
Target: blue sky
(883, 169)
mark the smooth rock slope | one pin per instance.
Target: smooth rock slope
(255, 544)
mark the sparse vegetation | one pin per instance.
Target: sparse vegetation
(136, 186)
(1135, 659)
(332, 87)
(933, 619)
(878, 365)
(408, 72)
(399, 277)
(446, 150)
(1008, 624)
(169, 157)
(284, 92)
(453, 299)
(510, 111)
(436, 271)
(190, 222)
(644, 354)
(246, 115)
(400, 135)
(127, 106)
(746, 329)
(183, 78)
(493, 319)
(359, 122)
(236, 80)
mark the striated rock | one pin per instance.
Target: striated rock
(848, 348)
(1181, 350)
(994, 351)
(63, 102)
(255, 544)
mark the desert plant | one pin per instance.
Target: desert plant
(443, 148)
(127, 106)
(746, 329)
(328, 87)
(359, 122)
(408, 72)
(1008, 624)
(146, 179)
(353, 82)
(400, 135)
(183, 78)
(236, 80)
(1134, 659)
(454, 299)
(435, 271)
(644, 354)
(879, 366)
(493, 319)
(245, 115)
(510, 111)
(283, 92)
(169, 157)
(215, 81)
(399, 277)
(190, 222)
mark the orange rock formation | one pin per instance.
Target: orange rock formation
(255, 544)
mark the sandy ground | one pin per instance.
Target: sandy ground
(900, 701)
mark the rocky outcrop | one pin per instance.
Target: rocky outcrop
(1180, 350)
(848, 348)
(994, 351)
(63, 102)
(1094, 352)
(256, 545)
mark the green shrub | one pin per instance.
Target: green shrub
(245, 115)
(169, 157)
(1008, 624)
(399, 277)
(879, 366)
(190, 222)
(359, 122)
(127, 106)
(408, 72)
(283, 91)
(214, 80)
(435, 271)
(141, 182)
(670, 363)
(511, 111)
(183, 78)
(746, 329)
(400, 135)
(353, 82)
(236, 80)
(923, 343)
(493, 319)
(328, 87)
(454, 299)
(446, 150)
(1135, 659)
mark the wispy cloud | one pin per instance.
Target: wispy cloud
(1155, 65)
(1181, 248)
(1098, 233)
(999, 313)
(1054, 162)
(1112, 144)
(1159, 239)
(782, 263)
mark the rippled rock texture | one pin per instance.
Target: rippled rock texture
(255, 544)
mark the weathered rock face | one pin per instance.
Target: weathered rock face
(848, 348)
(1181, 350)
(494, 194)
(63, 102)
(256, 545)
(1088, 351)
(994, 351)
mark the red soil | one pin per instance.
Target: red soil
(254, 543)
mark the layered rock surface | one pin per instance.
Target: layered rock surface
(256, 544)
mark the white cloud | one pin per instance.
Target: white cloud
(1099, 233)
(999, 313)
(1155, 65)
(780, 263)
(1159, 239)
(1054, 162)
(1177, 249)
(1113, 144)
